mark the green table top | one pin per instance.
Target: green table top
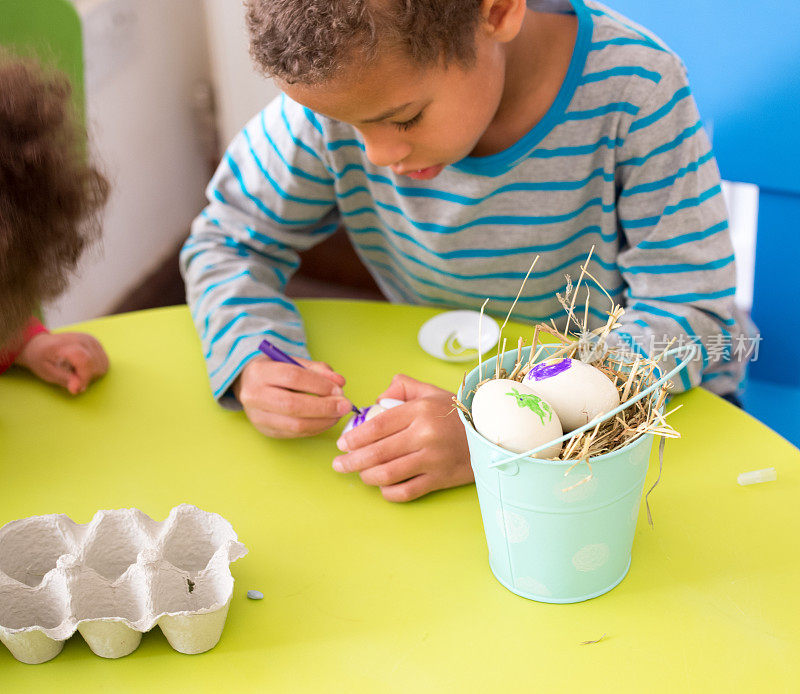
(365, 595)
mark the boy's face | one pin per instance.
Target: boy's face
(416, 121)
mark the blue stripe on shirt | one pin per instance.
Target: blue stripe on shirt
(276, 186)
(666, 147)
(235, 372)
(681, 239)
(681, 320)
(684, 204)
(294, 170)
(657, 115)
(259, 334)
(669, 180)
(234, 167)
(508, 220)
(621, 71)
(624, 41)
(615, 107)
(677, 267)
(688, 297)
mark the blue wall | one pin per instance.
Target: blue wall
(743, 59)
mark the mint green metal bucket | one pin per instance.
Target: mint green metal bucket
(552, 537)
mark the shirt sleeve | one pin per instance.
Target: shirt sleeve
(271, 197)
(676, 254)
(9, 355)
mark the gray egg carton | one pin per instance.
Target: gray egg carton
(113, 579)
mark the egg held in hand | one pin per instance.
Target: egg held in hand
(368, 413)
(511, 415)
(577, 391)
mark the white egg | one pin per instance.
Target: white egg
(389, 403)
(367, 413)
(577, 391)
(511, 415)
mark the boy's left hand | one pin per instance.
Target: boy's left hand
(411, 449)
(71, 360)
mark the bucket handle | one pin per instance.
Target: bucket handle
(693, 350)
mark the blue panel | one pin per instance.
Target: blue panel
(744, 67)
(776, 293)
(777, 406)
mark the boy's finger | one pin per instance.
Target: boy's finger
(325, 370)
(282, 427)
(406, 388)
(293, 377)
(385, 424)
(294, 404)
(380, 452)
(395, 471)
(409, 490)
(399, 388)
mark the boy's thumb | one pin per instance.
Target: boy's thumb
(402, 388)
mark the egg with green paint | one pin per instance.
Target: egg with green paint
(511, 415)
(578, 392)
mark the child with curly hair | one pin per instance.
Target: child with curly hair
(50, 199)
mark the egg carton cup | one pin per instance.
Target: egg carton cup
(113, 579)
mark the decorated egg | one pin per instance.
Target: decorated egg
(368, 413)
(578, 392)
(511, 415)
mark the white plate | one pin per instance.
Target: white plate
(453, 335)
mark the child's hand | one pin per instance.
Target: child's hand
(284, 401)
(71, 360)
(411, 449)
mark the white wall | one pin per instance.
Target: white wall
(742, 202)
(240, 91)
(144, 60)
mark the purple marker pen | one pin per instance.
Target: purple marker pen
(278, 355)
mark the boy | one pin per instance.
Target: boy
(456, 140)
(49, 202)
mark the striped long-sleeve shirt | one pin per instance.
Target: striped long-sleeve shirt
(619, 162)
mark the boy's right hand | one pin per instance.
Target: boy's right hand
(284, 401)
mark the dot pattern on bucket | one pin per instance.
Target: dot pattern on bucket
(575, 488)
(532, 586)
(515, 528)
(591, 557)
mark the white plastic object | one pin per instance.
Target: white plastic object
(113, 579)
(768, 474)
(389, 403)
(453, 335)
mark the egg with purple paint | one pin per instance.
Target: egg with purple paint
(368, 413)
(511, 415)
(577, 391)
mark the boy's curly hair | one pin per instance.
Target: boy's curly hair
(311, 41)
(50, 196)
